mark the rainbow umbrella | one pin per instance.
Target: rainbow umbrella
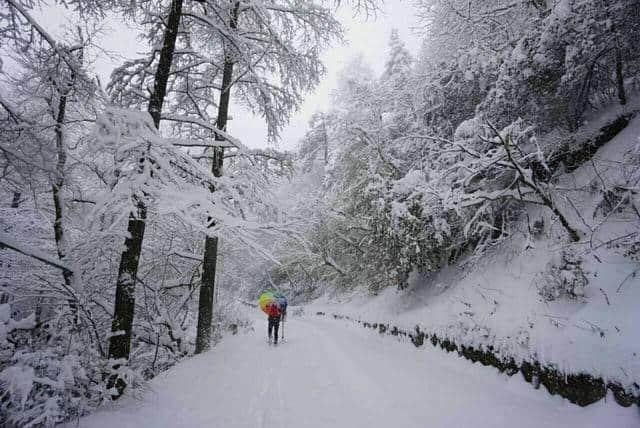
(269, 304)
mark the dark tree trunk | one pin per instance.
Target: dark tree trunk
(120, 344)
(58, 183)
(205, 302)
(59, 235)
(166, 60)
(209, 263)
(622, 96)
(15, 202)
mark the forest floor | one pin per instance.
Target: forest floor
(329, 373)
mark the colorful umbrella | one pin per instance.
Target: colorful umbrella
(269, 304)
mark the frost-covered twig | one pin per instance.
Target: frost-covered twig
(632, 274)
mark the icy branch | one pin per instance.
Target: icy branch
(9, 242)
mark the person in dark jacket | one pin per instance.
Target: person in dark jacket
(273, 325)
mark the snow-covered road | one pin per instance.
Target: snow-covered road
(334, 374)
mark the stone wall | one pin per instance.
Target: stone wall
(579, 388)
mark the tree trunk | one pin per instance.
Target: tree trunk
(120, 344)
(58, 184)
(58, 202)
(207, 286)
(166, 60)
(205, 302)
(15, 202)
(622, 96)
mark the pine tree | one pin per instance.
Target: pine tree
(315, 144)
(398, 65)
(395, 81)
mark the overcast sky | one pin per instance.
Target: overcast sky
(369, 37)
(366, 36)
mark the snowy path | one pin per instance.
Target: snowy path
(333, 374)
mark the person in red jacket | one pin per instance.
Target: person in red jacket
(273, 312)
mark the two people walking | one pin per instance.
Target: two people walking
(275, 306)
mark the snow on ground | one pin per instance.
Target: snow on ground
(333, 374)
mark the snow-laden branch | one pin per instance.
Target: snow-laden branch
(180, 142)
(9, 242)
(212, 128)
(70, 61)
(174, 184)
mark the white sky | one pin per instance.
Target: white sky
(367, 36)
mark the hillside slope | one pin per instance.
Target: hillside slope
(507, 300)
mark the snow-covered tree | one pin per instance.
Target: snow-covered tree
(398, 65)
(315, 144)
(258, 40)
